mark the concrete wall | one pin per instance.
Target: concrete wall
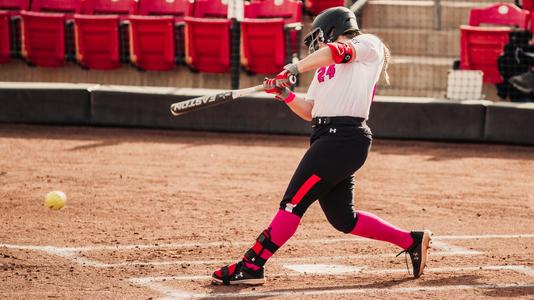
(510, 123)
(44, 103)
(391, 117)
(149, 107)
(425, 118)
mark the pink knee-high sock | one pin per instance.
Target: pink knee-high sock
(282, 228)
(371, 226)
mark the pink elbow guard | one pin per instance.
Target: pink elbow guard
(341, 53)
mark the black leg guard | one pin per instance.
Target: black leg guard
(253, 255)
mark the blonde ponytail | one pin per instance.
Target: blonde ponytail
(387, 54)
(387, 57)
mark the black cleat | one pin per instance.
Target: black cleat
(238, 274)
(418, 251)
(523, 82)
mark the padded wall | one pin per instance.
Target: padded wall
(149, 107)
(510, 123)
(411, 118)
(52, 103)
(390, 117)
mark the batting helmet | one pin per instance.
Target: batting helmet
(329, 25)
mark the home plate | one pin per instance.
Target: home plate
(323, 269)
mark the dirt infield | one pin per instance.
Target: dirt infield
(151, 213)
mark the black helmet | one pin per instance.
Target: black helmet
(329, 25)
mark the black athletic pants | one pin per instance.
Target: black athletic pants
(337, 150)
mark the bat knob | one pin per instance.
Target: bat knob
(292, 79)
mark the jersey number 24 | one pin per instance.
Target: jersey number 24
(323, 72)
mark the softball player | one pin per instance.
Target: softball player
(348, 66)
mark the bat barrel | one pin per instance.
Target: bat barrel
(198, 103)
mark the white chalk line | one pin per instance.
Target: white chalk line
(448, 250)
(483, 236)
(98, 264)
(313, 268)
(72, 253)
(249, 243)
(171, 293)
(453, 249)
(364, 270)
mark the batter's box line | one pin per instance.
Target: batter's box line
(448, 250)
(248, 243)
(73, 253)
(97, 264)
(155, 283)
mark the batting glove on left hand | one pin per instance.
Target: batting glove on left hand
(287, 77)
(280, 93)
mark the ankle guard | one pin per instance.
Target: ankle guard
(263, 242)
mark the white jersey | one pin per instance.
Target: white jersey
(348, 89)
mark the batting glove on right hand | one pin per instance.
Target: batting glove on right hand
(280, 93)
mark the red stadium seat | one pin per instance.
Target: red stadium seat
(14, 6)
(499, 14)
(97, 32)
(317, 6)
(43, 38)
(528, 5)
(481, 46)
(69, 7)
(5, 43)
(264, 47)
(110, 7)
(289, 10)
(152, 38)
(207, 44)
(43, 32)
(97, 41)
(152, 42)
(210, 9)
(177, 8)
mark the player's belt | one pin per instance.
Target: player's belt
(322, 121)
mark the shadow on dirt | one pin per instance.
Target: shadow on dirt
(511, 292)
(98, 137)
(385, 284)
(110, 136)
(439, 151)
